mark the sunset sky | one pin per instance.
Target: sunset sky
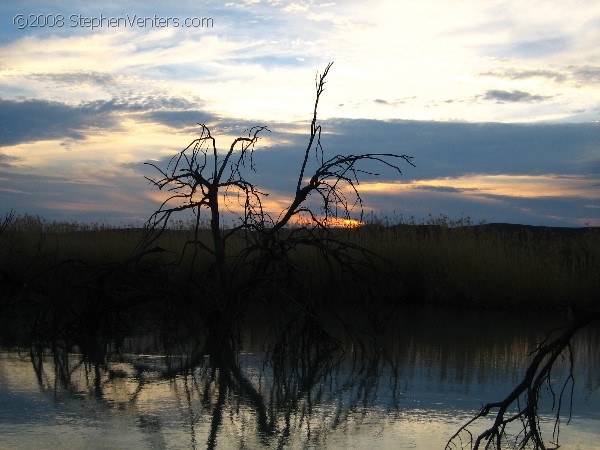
(497, 101)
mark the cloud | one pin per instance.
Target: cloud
(66, 198)
(37, 120)
(448, 149)
(541, 47)
(525, 48)
(484, 170)
(179, 119)
(421, 202)
(523, 74)
(248, 71)
(523, 186)
(494, 172)
(442, 188)
(395, 102)
(587, 74)
(7, 160)
(78, 78)
(439, 148)
(513, 96)
(581, 75)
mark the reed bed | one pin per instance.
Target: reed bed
(433, 262)
(492, 266)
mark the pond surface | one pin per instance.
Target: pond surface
(349, 382)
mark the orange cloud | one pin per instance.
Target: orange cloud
(527, 186)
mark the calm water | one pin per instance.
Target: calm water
(347, 383)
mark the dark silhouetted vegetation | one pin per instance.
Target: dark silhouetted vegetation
(488, 266)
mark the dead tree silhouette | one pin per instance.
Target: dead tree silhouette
(202, 179)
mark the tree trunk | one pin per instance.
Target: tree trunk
(215, 227)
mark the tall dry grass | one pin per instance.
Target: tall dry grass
(491, 265)
(436, 261)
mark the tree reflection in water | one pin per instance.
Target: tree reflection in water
(275, 393)
(277, 380)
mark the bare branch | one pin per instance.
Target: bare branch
(315, 130)
(536, 376)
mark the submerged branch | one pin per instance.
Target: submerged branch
(528, 390)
